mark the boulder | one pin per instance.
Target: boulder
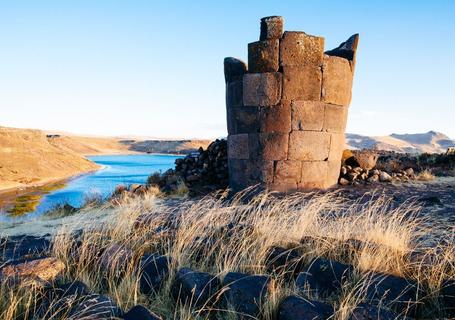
(195, 289)
(41, 269)
(115, 259)
(139, 312)
(283, 261)
(385, 177)
(324, 277)
(76, 288)
(448, 297)
(297, 308)
(399, 293)
(365, 159)
(95, 307)
(153, 270)
(365, 311)
(18, 247)
(244, 293)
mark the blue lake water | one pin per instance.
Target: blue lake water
(117, 169)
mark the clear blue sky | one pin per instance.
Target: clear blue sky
(155, 68)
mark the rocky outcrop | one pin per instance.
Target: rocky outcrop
(287, 112)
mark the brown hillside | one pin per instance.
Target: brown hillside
(28, 158)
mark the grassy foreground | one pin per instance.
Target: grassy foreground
(194, 234)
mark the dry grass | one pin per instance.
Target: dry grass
(425, 175)
(195, 235)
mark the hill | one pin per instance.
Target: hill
(33, 157)
(27, 158)
(429, 142)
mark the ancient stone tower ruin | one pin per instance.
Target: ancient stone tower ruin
(287, 111)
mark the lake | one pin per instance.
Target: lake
(116, 169)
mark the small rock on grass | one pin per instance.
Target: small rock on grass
(96, 307)
(154, 269)
(195, 289)
(244, 293)
(297, 308)
(365, 311)
(323, 277)
(139, 312)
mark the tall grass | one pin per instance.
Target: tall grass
(218, 235)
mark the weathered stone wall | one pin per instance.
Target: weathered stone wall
(287, 111)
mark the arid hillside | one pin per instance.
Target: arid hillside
(27, 157)
(33, 157)
(429, 142)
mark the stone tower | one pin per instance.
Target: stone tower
(287, 111)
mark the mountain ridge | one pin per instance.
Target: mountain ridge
(428, 142)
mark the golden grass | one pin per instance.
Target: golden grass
(195, 235)
(425, 175)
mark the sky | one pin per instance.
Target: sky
(155, 68)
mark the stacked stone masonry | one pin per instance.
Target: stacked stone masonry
(287, 110)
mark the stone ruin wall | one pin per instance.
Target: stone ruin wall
(287, 110)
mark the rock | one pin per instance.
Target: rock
(373, 178)
(283, 261)
(154, 269)
(115, 259)
(95, 307)
(18, 247)
(234, 69)
(346, 49)
(324, 277)
(244, 293)
(297, 308)
(119, 190)
(139, 312)
(76, 288)
(351, 176)
(263, 56)
(371, 312)
(366, 159)
(343, 170)
(385, 177)
(431, 200)
(399, 293)
(195, 289)
(343, 182)
(44, 269)
(448, 297)
(271, 27)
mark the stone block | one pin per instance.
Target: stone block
(347, 49)
(284, 187)
(337, 81)
(262, 89)
(302, 83)
(309, 145)
(234, 94)
(263, 56)
(259, 171)
(243, 120)
(307, 115)
(271, 27)
(276, 118)
(333, 173)
(237, 178)
(287, 171)
(238, 146)
(337, 145)
(299, 48)
(335, 118)
(314, 174)
(234, 69)
(268, 146)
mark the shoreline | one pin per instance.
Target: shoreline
(24, 189)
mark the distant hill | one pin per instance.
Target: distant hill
(33, 157)
(28, 158)
(431, 142)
